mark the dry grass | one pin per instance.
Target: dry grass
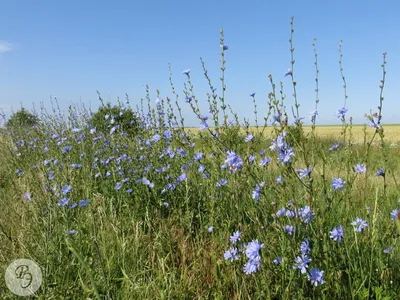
(392, 132)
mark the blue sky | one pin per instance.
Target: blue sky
(70, 49)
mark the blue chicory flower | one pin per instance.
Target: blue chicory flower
(338, 184)
(359, 224)
(336, 233)
(231, 254)
(316, 277)
(235, 237)
(360, 168)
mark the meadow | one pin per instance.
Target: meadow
(223, 211)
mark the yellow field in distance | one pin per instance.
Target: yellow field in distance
(392, 132)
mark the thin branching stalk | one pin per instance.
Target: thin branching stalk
(292, 62)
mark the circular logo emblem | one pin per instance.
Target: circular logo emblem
(23, 277)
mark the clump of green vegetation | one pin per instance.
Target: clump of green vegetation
(22, 119)
(111, 117)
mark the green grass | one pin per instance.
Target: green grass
(131, 246)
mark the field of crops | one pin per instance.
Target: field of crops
(392, 132)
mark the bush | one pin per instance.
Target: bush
(115, 117)
(22, 119)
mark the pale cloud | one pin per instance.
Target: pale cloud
(5, 47)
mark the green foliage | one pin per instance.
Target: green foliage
(124, 117)
(231, 136)
(132, 246)
(22, 119)
(294, 134)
